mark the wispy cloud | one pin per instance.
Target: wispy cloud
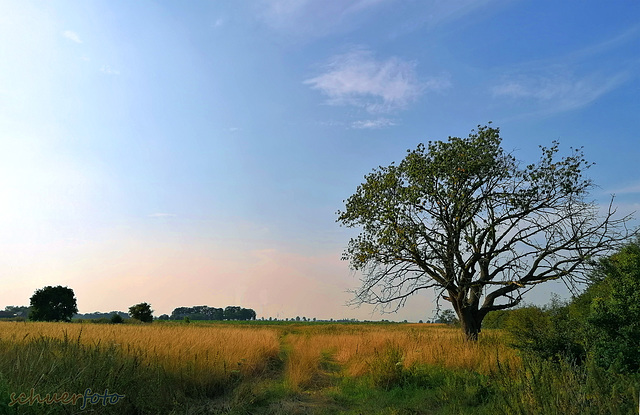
(631, 189)
(73, 36)
(557, 92)
(106, 69)
(161, 215)
(315, 17)
(372, 124)
(218, 23)
(357, 78)
(607, 45)
(553, 86)
(433, 14)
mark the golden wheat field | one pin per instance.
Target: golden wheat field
(305, 349)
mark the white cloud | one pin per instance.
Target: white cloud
(372, 124)
(108, 70)
(357, 78)
(558, 92)
(73, 36)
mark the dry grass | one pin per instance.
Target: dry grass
(221, 350)
(356, 347)
(220, 368)
(206, 350)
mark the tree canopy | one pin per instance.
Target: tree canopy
(53, 304)
(142, 312)
(466, 218)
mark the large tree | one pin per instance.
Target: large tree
(466, 218)
(53, 304)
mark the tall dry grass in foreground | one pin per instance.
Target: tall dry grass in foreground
(195, 348)
(311, 352)
(227, 368)
(357, 348)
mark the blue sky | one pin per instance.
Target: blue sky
(188, 153)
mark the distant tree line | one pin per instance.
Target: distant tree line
(59, 304)
(203, 312)
(14, 311)
(98, 314)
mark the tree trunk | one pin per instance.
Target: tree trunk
(470, 325)
(470, 321)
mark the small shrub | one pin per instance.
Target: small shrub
(117, 319)
(386, 369)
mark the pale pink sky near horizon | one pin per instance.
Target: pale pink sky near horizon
(113, 276)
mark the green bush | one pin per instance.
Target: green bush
(496, 319)
(116, 319)
(548, 333)
(614, 319)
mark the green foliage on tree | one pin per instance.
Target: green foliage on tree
(53, 304)
(142, 312)
(466, 218)
(614, 320)
(116, 319)
(204, 312)
(201, 312)
(239, 313)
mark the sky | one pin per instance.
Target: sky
(196, 153)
